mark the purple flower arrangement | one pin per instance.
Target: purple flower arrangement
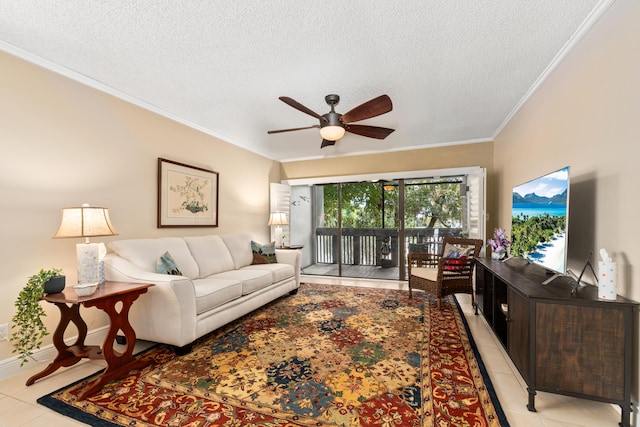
(500, 241)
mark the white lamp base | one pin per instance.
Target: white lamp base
(278, 235)
(88, 255)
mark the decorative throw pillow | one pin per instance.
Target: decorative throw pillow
(455, 256)
(263, 254)
(167, 265)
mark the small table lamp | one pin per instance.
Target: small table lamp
(278, 219)
(86, 221)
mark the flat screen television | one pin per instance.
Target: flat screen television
(539, 220)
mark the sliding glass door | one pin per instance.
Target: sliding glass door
(356, 231)
(366, 229)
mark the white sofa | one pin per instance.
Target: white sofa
(218, 283)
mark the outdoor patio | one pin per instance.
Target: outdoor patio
(372, 253)
(360, 271)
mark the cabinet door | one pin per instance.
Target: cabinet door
(480, 286)
(581, 349)
(500, 315)
(518, 332)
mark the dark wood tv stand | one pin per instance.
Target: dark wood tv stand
(576, 345)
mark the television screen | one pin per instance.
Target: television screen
(539, 220)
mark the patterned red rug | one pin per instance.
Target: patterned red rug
(330, 355)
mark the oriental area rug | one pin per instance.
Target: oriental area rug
(327, 356)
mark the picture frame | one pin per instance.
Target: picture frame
(187, 195)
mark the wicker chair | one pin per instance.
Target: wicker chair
(449, 272)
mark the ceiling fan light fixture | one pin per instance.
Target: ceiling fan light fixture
(332, 133)
(334, 125)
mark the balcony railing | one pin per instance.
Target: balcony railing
(363, 246)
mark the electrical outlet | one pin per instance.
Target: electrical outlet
(4, 332)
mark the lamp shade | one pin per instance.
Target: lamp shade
(278, 218)
(85, 221)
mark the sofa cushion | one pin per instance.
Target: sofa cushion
(240, 247)
(213, 292)
(251, 279)
(210, 253)
(167, 265)
(278, 271)
(144, 253)
(263, 254)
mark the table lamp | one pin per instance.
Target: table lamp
(87, 221)
(278, 219)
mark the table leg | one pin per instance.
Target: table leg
(118, 364)
(67, 355)
(531, 404)
(625, 420)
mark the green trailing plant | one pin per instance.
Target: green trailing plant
(27, 321)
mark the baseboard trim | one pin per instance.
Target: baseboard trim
(11, 366)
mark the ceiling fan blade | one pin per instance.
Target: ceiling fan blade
(292, 129)
(370, 131)
(295, 104)
(327, 143)
(371, 108)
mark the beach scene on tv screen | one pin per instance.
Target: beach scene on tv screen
(539, 220)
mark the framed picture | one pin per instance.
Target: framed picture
(187, 195)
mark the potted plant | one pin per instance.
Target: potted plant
(27, 321)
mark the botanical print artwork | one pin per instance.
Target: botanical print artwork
(189, 196)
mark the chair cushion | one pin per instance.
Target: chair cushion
(425, 273)
(454, 264)
(455, 256)
(457, 251)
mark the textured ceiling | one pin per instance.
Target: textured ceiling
(455, 70)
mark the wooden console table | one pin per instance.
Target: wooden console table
(107, 298)
(571, 344)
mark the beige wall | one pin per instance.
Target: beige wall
(464, 155)
(64, 144)
(587, 116)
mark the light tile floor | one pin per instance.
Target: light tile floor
(18, 405)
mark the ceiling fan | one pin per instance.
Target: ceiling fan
(333, 125)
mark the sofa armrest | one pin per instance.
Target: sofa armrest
(168, 309)
(292, 257)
